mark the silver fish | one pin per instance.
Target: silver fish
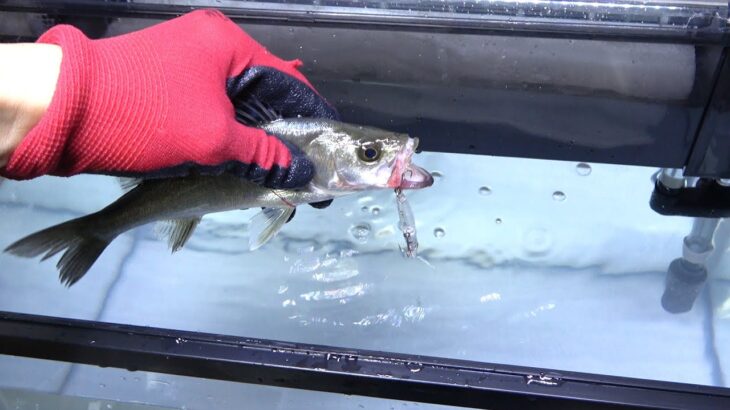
(347, 158)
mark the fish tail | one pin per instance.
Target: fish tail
(82, 248)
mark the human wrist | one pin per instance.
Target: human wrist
(28, 76)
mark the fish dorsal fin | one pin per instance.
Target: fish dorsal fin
(252, 112)
(129, 184)
(177, 231)
(266, 224)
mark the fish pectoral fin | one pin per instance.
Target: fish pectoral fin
(129, 184)
(266, 224)
(176, 231)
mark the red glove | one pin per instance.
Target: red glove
(157, 103)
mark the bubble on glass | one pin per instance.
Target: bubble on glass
(375, 211)
(485, 190)
(364, 209)
(559, 196)
(361, 232)
(583, 169)
(498, 221)
(439, 232)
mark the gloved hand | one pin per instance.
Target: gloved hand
(157, 103)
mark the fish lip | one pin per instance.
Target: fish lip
(405, 174)
(415, 177)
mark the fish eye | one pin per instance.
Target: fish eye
(369, 153)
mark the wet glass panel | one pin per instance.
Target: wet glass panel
(538, 263)
(529, 262)
(50, 385)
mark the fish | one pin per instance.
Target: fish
(347, 158)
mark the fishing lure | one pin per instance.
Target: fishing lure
(407, 224)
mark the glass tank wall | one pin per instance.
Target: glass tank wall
(537, 263)
(64, 386)
(614, 82)
(549, 257)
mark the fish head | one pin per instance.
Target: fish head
(355, 158)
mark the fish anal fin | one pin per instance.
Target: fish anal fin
(266, 224)
(176, 231)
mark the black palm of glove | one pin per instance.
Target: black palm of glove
(285, 95)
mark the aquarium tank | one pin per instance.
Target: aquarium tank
(573, 251)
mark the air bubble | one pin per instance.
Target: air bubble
(485, 190)
(583, 169)
(375, 211)
(439, 232)
(498, 221)
(361, 232)
(559, 196)
(365, 209)
(437, 174)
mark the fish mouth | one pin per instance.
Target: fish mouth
(407, 175)
(415, 177)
